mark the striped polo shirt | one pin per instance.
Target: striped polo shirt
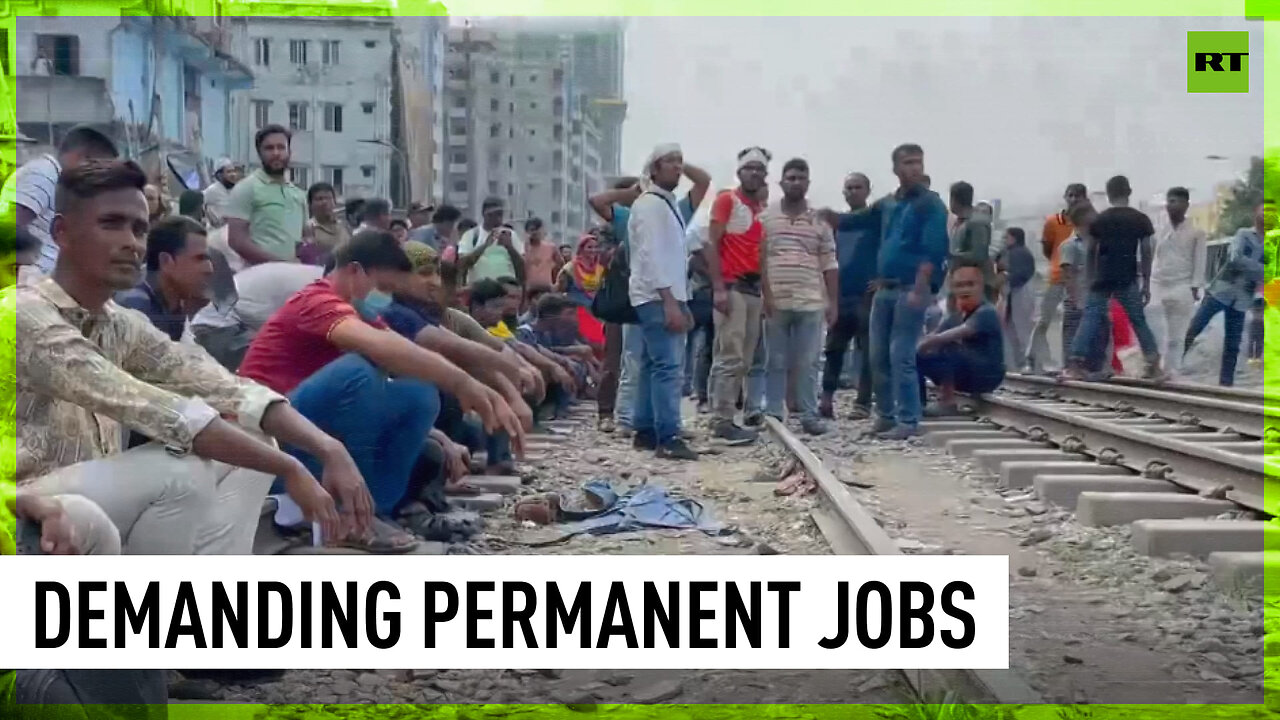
(33, 187)
(798, 249)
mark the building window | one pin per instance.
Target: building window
(261, 114)
(533, 78)
(493, 187)
(531, 160)
(558, 134)
(300, 175)
(511, 190)
(494, 105)
(494, 77)
(333, 175)
(61, 54)
(366, 170)
(460, 186)
(459, 101)
(371, 44)
(298, 51)
(511, 108)
(298, 116)
(333, 117)
(557, 187)
(495, 130)
(459, 157)
(367, 108)
(511, 81)
(4, 49)
(555, 217)
(329, 52)
(532, 132)
(262, 52)
(533, 106)
(557, 76)
(511, 162)
(458, 128)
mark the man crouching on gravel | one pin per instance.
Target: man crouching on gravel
(966, 353)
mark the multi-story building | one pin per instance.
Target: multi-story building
(329, 79)
(161, 85)
(519, 129)
(419, 124)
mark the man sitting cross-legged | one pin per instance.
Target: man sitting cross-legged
(966, 353)
(86, 367)
(369, 387)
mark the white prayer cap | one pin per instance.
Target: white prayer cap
(660, 151)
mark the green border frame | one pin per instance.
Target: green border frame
(1266, 12)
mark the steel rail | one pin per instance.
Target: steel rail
(1195, 466)
(1246, 418)
(858, 533)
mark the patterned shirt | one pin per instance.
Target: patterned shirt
(798, 249)
(82, 375)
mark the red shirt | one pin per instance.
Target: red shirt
(740, 246)
(294, 343)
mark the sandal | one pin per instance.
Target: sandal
(860, 412)
(383, 539)
(540, 509)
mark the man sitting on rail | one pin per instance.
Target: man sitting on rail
(966, 353)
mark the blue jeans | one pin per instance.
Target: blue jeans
(950, 366)
(1234, 325)
(1089, 336)
(896, 327)
(632, 355)
(382, 422)
(794, 338)
(657, 406)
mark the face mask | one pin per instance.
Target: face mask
(373, 305)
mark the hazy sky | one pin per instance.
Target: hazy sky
(1017, 106)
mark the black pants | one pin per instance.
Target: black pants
(852, 325)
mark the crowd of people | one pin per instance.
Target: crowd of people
(345, 368)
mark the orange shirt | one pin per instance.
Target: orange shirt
(1056, 231)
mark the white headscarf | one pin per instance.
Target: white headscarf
(659, 152)
(752, 156)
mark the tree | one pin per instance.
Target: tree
(1237, 211)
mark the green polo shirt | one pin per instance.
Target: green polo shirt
(274, 210)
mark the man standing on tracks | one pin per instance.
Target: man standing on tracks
(659, 291)
(857, 244)
(910, 263)
(1057, 230)
(1232, 292)
(800, 289)
(1121, 255)
(1177, 273)
(733, 262)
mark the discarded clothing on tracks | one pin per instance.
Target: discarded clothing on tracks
(642, 507)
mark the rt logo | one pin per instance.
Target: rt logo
(1217, 62)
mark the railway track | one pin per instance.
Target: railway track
(1188, 435)
(851, 530)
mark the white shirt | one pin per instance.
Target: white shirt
(265, 288)
(33, 187)
(659, 248)
(215, 203)
(1180, 257)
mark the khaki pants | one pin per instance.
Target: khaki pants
(167, 505)
(737, 335)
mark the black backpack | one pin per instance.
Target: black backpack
(612, 303)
